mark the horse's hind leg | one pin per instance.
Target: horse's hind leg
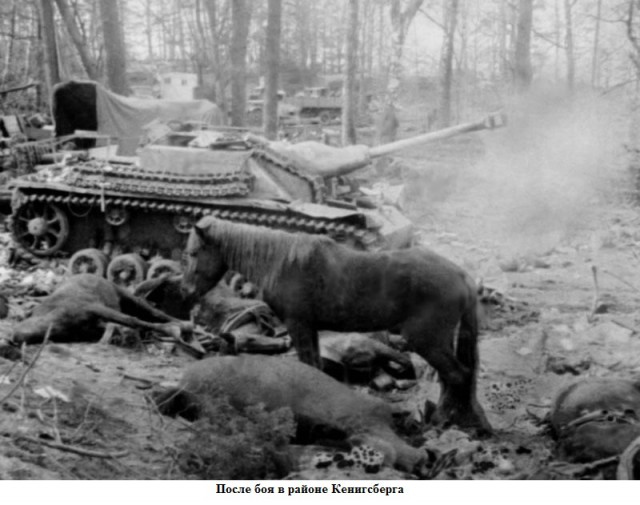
(432, 335)
(305, 340)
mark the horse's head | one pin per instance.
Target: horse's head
(203, 264)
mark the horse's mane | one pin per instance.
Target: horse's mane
(262, 253)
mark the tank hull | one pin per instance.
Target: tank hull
(118, 222)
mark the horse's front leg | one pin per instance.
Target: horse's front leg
(305, 340)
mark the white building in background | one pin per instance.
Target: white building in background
(177, 85)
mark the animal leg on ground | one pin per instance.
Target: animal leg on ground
(305, 340)
(145, 288)
(32, 330)
(171, 328)
(141, 309)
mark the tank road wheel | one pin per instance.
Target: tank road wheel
(183, 224)
(127, 270)
(163, 266)
(325, 117)
(116, 216)
(41, 228)
(88, 261)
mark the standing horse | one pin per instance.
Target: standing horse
(312, 283)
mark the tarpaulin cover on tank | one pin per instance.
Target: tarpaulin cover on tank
(323, 160)
(124, 117)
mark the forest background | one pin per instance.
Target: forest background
(455, 56)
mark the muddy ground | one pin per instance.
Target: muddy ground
(82, 411)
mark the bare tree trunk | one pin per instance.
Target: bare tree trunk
(502, 42)
(182, 43)
(522, 65)
(571, 62)
(302, 35)
(42, 90)
(558, 44)
(115, 51)
(364, 49)
(380, 34)
(402, 13)
(240, 15)
(348, 93)
(633, 36)
(446, 62)
(216, 56)
(50, 53)
(274, 28)
(596, 43)
(148, 28)
(313, 50)
(76, 37)
(200, 45)
(11, 43)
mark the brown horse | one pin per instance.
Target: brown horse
(313, 283)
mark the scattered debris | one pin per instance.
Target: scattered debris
(49, 392)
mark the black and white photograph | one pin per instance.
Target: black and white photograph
(291, 248)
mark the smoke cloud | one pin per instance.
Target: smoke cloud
(544, 174)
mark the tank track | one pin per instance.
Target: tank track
(128, 179)
(362, 237)
(150, 191)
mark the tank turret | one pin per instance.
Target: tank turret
(327, 161)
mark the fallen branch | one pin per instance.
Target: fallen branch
(75, 450)
(596, 295)
(625, 324)
(575, 469)
(139, 379)
(626, 283)
(26, 370)
(543, 358)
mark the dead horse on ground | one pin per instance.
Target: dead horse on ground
(312, 283)
(77, 309)
(313, 397)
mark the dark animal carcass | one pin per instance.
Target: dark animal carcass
(79, 308)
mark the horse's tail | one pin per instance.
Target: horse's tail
(467, 349)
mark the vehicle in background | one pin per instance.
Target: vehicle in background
(288, 114)
(318, 104)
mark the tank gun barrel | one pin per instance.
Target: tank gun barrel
(328, 161)
(490, 122)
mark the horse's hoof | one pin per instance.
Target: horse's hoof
(186, 329)
(173, 330)
(483, 432)
(465, 420)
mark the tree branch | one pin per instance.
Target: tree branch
(439, 24)
(17, 88)
(546, 38)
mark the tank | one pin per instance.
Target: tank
(137, 211)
